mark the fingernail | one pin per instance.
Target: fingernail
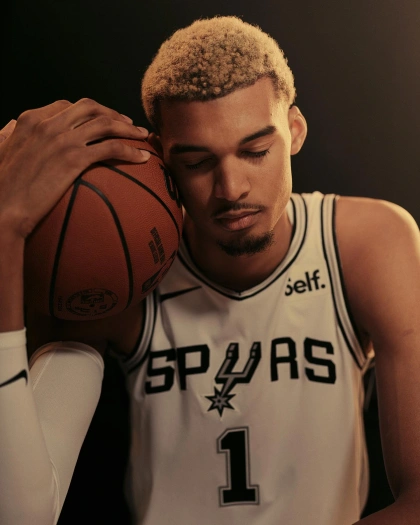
(145, 154)
(143, 130)
(127, 118)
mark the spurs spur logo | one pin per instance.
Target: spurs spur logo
(229, 378)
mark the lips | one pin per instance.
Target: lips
(237, 221)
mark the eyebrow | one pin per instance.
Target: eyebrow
(191, 148)
(268, 130)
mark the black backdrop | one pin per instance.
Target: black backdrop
(356, 65)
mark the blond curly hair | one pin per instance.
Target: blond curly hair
(210, 59)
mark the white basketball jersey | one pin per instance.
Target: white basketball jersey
(246, 408)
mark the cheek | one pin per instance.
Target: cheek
(280, 187)
(278, 174)
(284, 185)
(194, 193)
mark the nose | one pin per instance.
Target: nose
(231, 181)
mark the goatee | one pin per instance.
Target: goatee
(249, 245)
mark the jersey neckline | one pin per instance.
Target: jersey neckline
(298, 216)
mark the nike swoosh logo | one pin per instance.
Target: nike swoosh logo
(21, 375)
(171, 295)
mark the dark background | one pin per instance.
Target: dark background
(356, 65)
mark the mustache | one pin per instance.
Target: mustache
(237, 206)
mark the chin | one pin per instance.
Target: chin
(248, 245)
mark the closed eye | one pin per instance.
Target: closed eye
(197, 165)
(256, 154)
(253, 155)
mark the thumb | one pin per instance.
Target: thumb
(7, 130)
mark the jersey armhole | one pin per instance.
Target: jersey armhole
(341, 304)
(137, 356)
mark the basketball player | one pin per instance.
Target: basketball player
(245, 367)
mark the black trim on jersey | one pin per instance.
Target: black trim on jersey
(343, 287)
(235, 297)
(139, 337)
(295, 217)
(146, 188)
(349, 346)
(146, 353)
(60, 245)
(171, 295)
(121, 235)
(23, 374)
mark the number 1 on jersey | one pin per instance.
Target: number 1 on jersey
(234, 442)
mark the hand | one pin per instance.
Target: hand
(46, 149)
(7, 130)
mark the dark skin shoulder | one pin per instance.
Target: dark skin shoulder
(379, 245)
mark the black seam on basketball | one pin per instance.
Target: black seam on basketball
(151, 152)
(60, 245)
(129, 177)
(121, 234)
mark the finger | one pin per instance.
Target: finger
(103, 127)
(115, 149)
(7, 130)
(129, 119)
(33, 116)
(83, 111)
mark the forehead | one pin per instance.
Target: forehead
(228, 118)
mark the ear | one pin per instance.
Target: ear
(154, 140)
(298, 129)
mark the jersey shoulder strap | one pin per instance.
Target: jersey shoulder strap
(345, 318)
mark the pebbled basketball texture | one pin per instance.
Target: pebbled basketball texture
(107, 243)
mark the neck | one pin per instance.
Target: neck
(242, 272)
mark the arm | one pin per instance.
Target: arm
(42, 431)
(381, 268)
(40, 157)
(45, 418)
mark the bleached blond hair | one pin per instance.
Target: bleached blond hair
(210, 59)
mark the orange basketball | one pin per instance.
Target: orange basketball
(107, 243)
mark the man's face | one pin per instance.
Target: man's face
(231, 160)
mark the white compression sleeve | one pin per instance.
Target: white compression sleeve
(42, 428)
